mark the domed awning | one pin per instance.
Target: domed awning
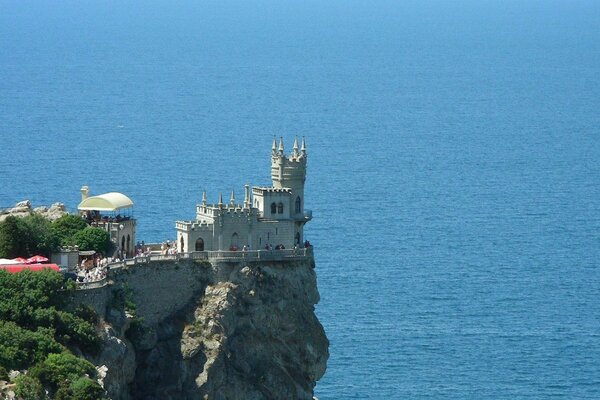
(105, 202)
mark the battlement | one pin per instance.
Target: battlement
(263, 189)
(269, 215)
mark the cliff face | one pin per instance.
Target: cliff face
(245, 331)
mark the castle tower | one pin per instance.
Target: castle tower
(289, 171)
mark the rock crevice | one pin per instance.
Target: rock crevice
(251, 335)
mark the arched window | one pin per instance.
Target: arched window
(128, 242)
(122, 243)
(200, 244)
(234, 242)
(182, 243)
(298, 205)
(273, 208)
(280, 208)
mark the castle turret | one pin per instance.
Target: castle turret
(290, 172)
(85, 192)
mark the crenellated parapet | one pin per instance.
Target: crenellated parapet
(269, 216)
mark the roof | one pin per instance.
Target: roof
(32, 267)
(105, 202)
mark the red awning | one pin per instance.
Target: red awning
(31, 267)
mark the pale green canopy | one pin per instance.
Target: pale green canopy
(105, 202)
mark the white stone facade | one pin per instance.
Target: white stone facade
(273, 215)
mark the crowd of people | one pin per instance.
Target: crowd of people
(93, 269)
(95, 216)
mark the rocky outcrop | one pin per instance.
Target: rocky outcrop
(249, 333)
(24, 208)
(256, 336)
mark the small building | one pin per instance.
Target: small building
(270, 216)
(112, 212)
(67, 258)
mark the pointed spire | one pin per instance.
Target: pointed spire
(274, 148)
(232, 200)
(204, 197)
(303, 149)
(220, 199)
(281, 145)
(295, 146)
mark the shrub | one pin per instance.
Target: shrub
(39, 238)
(3, 374)
(29, 388)
(82, 388)
(20, 348)
(11, 233)
(65, 227)
(93, 239)
(57, 369)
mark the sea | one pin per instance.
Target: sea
(453, 170)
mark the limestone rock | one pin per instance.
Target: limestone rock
(23, 209)
(254, 336)
(247, 332)
(25, 204)
(115, 364)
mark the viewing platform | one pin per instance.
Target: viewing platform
(210, 256)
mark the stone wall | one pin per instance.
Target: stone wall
(159, 288)
(223, 330)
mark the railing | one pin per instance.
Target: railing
(92, 285)
(250, 255)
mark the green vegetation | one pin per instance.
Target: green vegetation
(65, 227)
(92, 239)
(34, 234)
(36, 333)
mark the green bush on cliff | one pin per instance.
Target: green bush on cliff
(62, 367)
(11, 233)
(36, 332)
(24, 237)
(29, 388)
(93, 239)
(34, 234)
(66, 226)
(82, 388)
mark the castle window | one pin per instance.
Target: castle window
(280, 208)
(273, 208)
(298, 205)
(234, 242)
(182, 243)
(200, 244)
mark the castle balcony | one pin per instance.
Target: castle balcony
(305, 216)
(183, 225)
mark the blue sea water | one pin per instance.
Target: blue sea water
(454, 163)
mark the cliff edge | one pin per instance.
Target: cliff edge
(230, 330)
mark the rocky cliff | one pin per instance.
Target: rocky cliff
(24, 208)
(223, 331)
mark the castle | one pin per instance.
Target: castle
(269, 216)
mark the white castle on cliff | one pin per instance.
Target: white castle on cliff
(269, 217)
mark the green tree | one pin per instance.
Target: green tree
(29, 388)
(59, 368)
(39, 237)
(93, 239)
(82, 388)
(66, 226)
(12, 232)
